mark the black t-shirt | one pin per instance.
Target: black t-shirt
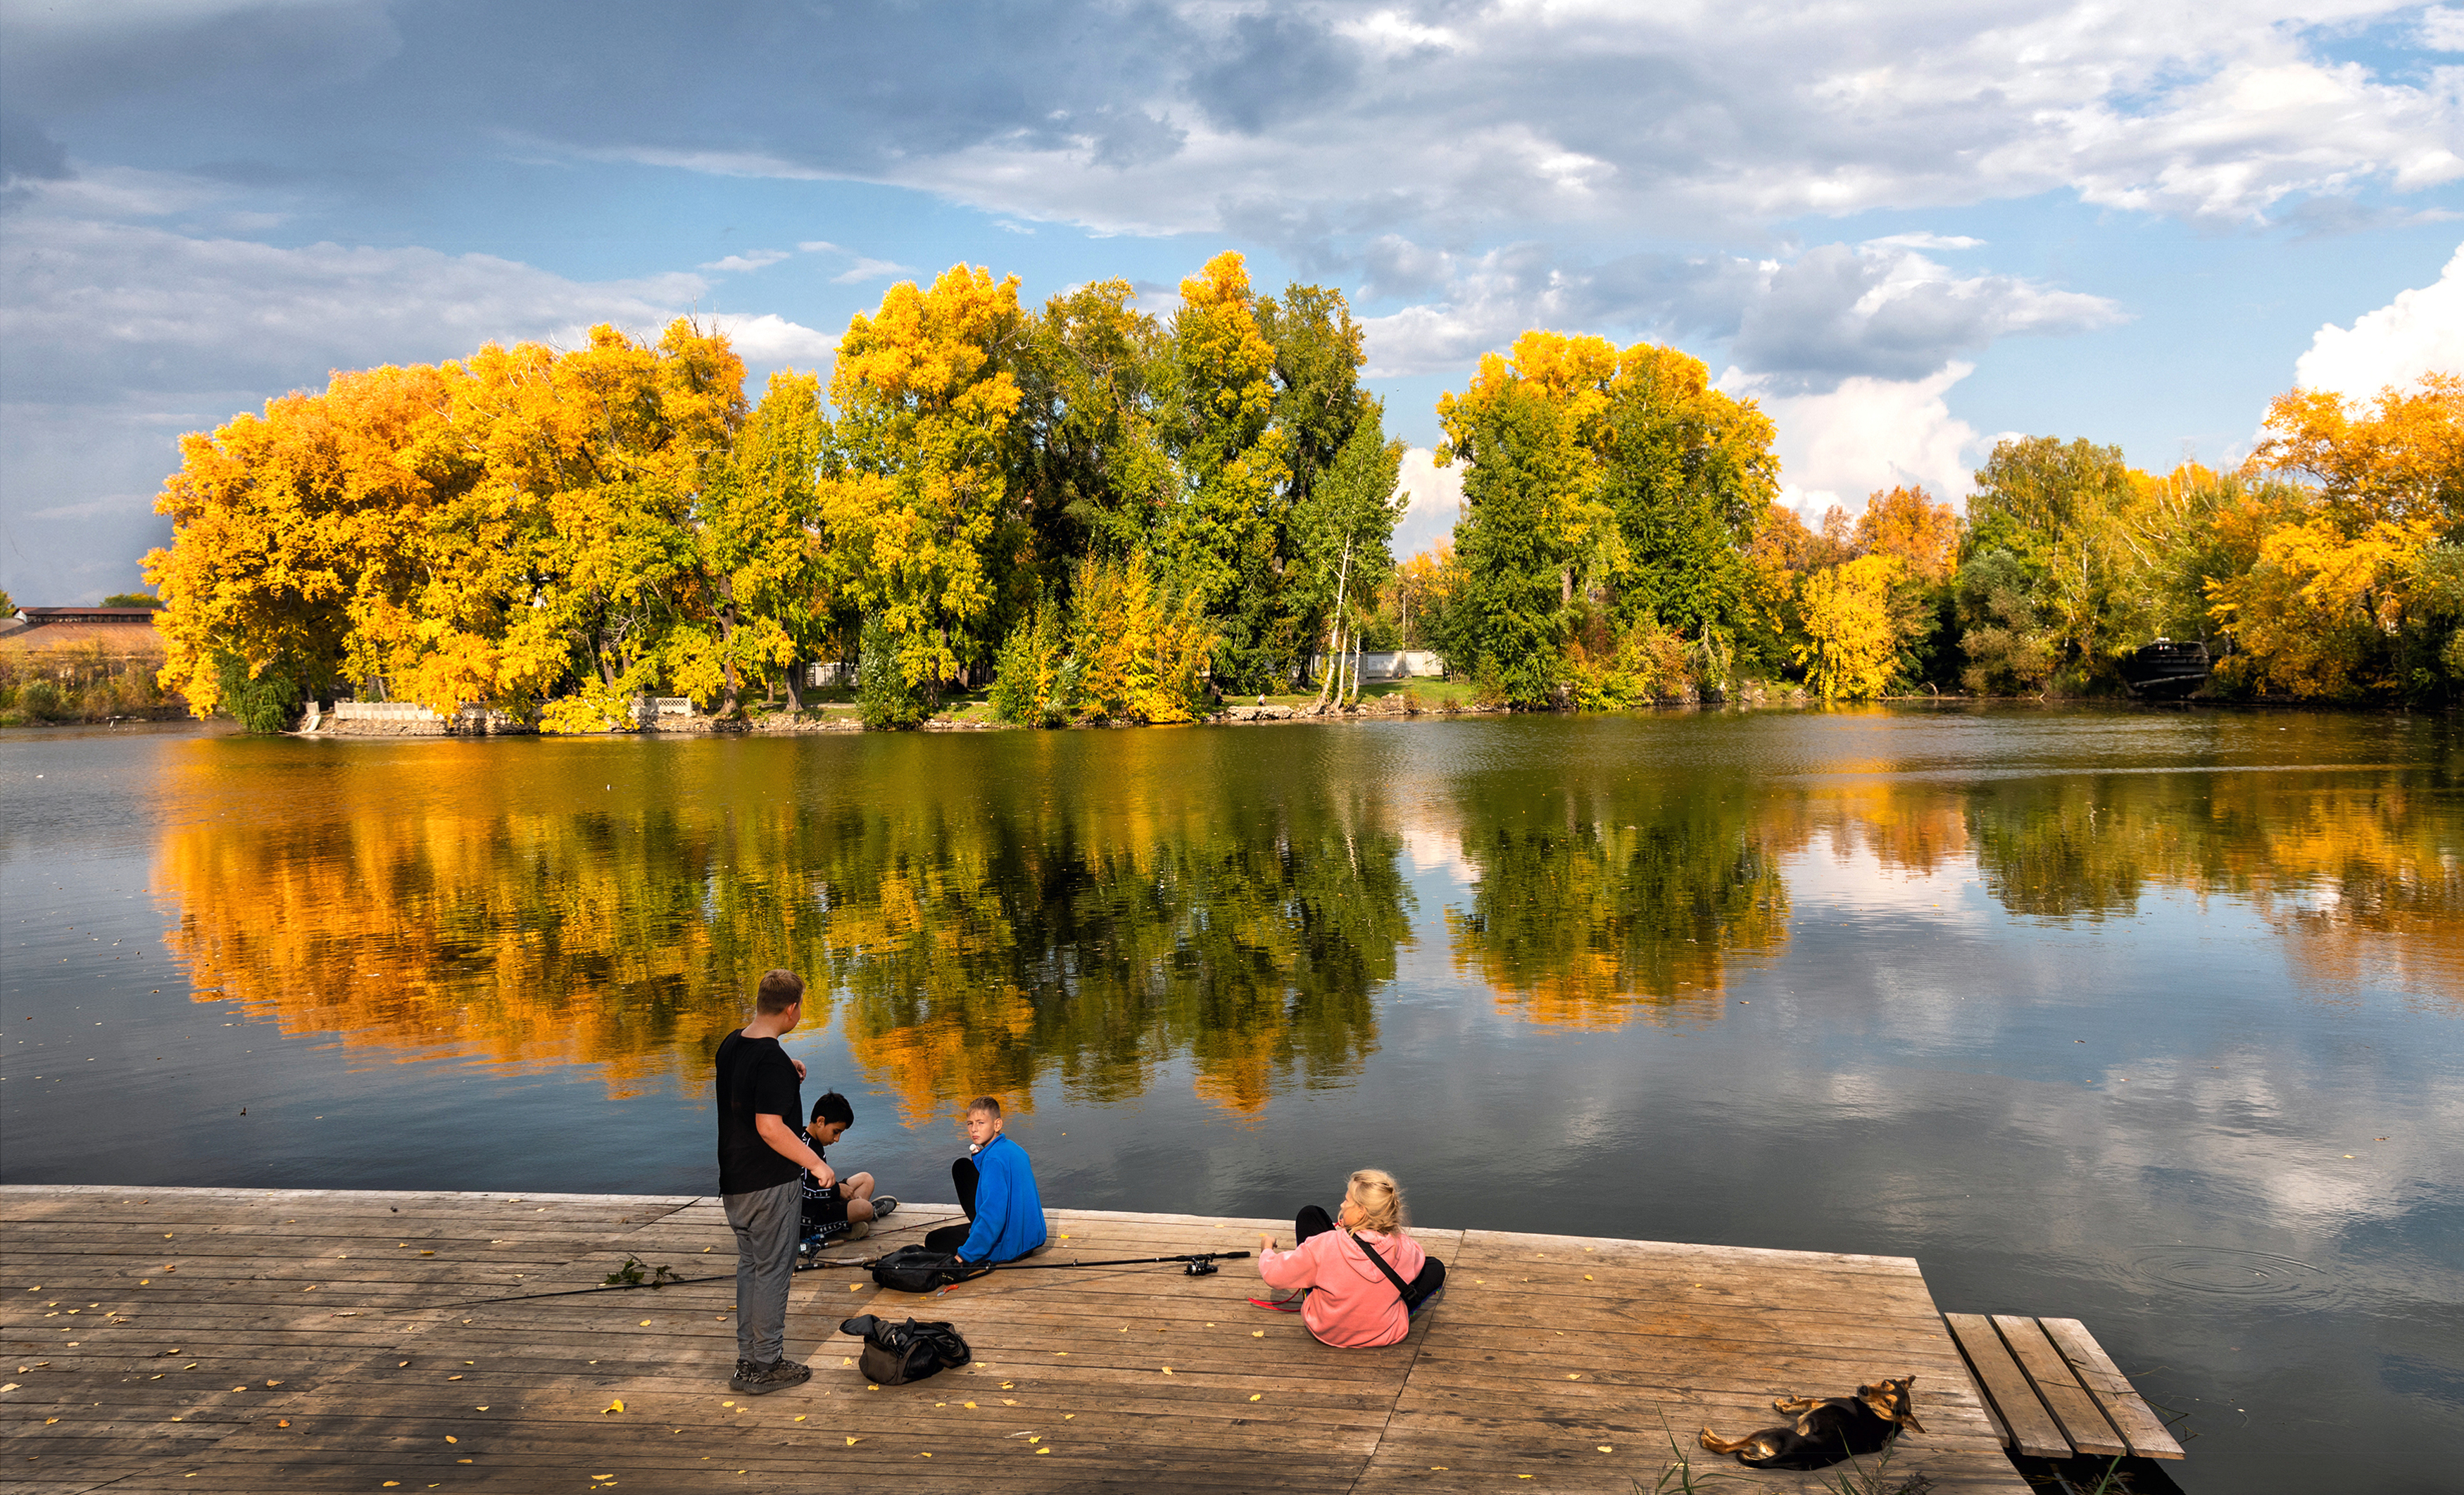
(755, 1078)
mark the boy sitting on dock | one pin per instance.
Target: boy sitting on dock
(996, 1189)
(836, 1209)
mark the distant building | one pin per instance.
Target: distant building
(95, 632)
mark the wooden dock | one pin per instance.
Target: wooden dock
(246, 1340)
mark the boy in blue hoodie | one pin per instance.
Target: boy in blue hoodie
(996, 1189)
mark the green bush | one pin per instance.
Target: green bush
(887, 702)
(40, 701)
(264, 703)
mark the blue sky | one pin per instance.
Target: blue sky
(1905, 228)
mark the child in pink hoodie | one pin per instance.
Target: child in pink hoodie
(1350, 1304)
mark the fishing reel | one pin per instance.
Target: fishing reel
(1198, 1267)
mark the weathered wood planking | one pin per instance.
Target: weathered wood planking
(2052, 1391)
(2113, 1391)
(2032, 1428)
(238, 1340)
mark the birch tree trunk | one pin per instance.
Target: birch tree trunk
(1334, 631)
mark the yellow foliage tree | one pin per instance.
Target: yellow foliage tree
(2338, 579)
(1139, 656)
(1850, 642)
(913, 490)
(295, 534)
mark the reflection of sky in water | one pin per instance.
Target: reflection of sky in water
(2084, 1010)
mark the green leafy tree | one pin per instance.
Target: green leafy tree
(1222, 541)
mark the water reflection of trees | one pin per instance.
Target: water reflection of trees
(1599, 902)
(1094, 918)
(2362, 872)
(1242, 933)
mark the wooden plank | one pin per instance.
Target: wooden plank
(1136, 1379)
(2139, 1426)
(2032, 1428)
(2062, 1394)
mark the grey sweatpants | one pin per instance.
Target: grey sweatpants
(764, 1221)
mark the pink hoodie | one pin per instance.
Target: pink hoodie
(1354, 1307)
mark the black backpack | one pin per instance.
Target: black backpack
(896, 1354)
(915, 1268)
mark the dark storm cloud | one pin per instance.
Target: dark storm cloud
(83, 57)
(1274, 69)
(27, 153)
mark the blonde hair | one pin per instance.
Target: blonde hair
(1378, 1198)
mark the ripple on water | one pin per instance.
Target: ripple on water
(2228, 1272)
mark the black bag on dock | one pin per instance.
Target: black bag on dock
(896, 1354)
(915, 1268)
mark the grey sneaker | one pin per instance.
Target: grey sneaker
(884, 1205)
(761, 1380)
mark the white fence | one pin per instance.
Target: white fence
(672, 705)
(382, 710)
(830, 675)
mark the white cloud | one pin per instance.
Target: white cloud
(755, 260)
(2442, 27)
(863, 269)
(1866, 434)
(1926, 241)
(1437, 502)
(2420, 331)
(770, 338)
(1829, 312)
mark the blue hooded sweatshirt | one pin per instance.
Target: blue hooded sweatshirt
(1009, 1214)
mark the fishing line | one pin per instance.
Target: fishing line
(1191, 1261)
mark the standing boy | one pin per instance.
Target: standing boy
(760, 1161)
(996, 1189)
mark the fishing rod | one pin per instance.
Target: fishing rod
(1193, 1264)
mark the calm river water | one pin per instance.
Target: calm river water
(2152, 1019)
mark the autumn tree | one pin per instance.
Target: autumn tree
(1688, 472)
(1221, 540)
(1850, 643)
(2046, 566)
(2351, 591)
(914, 487)
(1089, 467)
(1535, 528)
(296, 535)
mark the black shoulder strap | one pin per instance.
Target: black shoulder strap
(1391, 1275)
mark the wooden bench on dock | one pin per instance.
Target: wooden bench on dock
(2053, 1393)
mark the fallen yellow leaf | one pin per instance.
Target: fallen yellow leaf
(853, 1442)
(855, 1286)
(645, 1322)
(451, 1439)
(967, 1404)
(1606, 1449)
(1167, 1370)
(800, 1416)
(1045, 1449)
(614, 1406)
(1256, 1395)
(1257, 1334)
(1574, 1377)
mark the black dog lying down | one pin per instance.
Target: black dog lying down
(1827, 1429)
